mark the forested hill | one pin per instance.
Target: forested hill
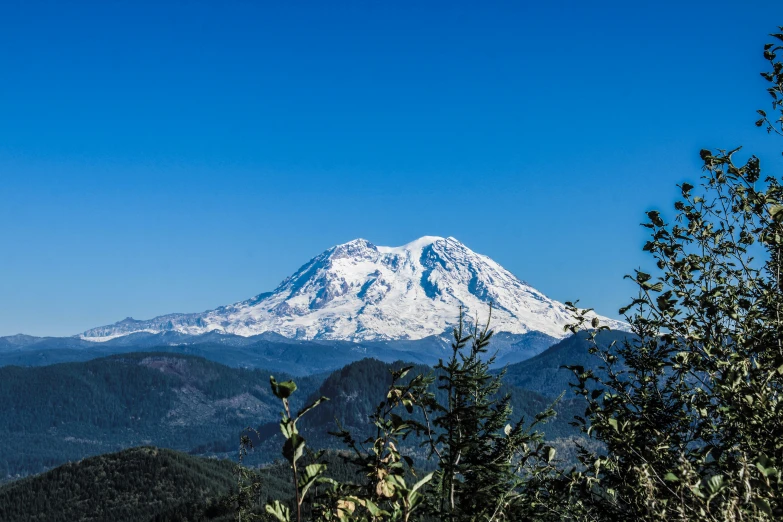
(545, 373)
(356, 389)
(140, 484)
(354, 392)
(148, 484)
(63, 412)
(266, 351)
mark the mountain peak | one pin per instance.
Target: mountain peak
(358, 242)
(422, 242)
(359, 291)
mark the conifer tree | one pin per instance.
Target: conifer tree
(481, 454)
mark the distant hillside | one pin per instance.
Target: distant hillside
(63, 412)
(268, 351)
(140, 484)
(544, 373)
(354, 392)
(356, 389)
(148, 484)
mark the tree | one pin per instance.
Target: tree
(689, 409)
(487, 466)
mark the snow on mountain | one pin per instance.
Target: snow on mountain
(361, 292)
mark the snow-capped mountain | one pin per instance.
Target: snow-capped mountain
(362, 292)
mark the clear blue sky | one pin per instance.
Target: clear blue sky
(164, 157)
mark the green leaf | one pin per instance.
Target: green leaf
(657, 287)
(293, 447)
(715, 484)
(399, 374)
(762, 505)
(642, 277)
(424, 480)
(396, 481)
(613, 423)
(766, 468)
(309, 476)
(655, 217)
(397, 421)
(288, 428)
(279, 511)
(374, 510)
(282, 390)
(671, 477)
(550, 453)
(776, 211)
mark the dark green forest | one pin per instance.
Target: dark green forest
(137, 484)
(65, 412)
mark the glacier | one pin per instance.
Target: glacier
(358, 291)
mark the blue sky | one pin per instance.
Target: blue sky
(164, 157)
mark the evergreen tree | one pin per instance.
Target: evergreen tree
(481, 455)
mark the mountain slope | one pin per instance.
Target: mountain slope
(134, 485)
(545, 373)
(361, 292)
(63, 412)
(354, 392)
(269, 350)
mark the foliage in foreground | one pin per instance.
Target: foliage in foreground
(690, 410)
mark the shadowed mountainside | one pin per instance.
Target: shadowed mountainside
(63, 412)
(139, 484)
(545, 374)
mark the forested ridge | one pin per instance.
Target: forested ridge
(53, 414)
(134, 485)
(145, 484)
(354, 392)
